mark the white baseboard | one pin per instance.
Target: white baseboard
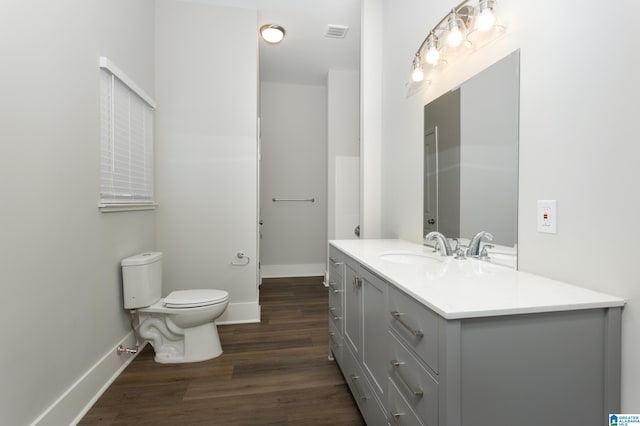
(240, 313)
(297, 270)
(74, 403)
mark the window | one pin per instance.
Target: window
(126, 139)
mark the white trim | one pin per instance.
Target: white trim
(297, 270)
(107, 64)
(76, 401)
(240, 313)
(125, 207)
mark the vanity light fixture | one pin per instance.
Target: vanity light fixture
(272, 33)
(464, 23)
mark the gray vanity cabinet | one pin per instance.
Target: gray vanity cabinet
(363, 358)
(407, 365)
(526, 369)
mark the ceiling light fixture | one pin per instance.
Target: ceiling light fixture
(473, 25)
(271, 33)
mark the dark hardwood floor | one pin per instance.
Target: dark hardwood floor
(272, 373)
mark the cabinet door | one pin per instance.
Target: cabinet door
(374, 353)
(353, 310)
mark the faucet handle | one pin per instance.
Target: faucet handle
(484, 254)
(459, 251)
(436, 247)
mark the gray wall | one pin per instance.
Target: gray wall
(294, 165)
(61, 307)
(206, 150)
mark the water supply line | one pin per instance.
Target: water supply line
(121, 349)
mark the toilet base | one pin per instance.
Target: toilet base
(175, 345)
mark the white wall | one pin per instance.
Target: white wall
(343, 149)
(293, 165)
(371, 119)
(578, 143)
(206, 155)
(61, 308)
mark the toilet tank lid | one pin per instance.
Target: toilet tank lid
(142, 258)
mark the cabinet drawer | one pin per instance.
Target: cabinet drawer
(336, 342)
(336, 314)
(414, 382)
(370, 408)
(416, 325)
(336, 264)
(399, 411)
(336, 293)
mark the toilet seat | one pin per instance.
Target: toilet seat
(183, 299)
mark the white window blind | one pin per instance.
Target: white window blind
(126, 163)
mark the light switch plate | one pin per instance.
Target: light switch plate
(547, 216)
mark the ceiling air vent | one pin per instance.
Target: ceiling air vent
(336, 31)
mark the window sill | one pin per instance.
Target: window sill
(126, 207)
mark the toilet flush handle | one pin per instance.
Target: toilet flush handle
(241, 255)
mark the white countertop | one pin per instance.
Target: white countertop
(471, 288)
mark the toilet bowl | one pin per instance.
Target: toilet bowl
(180, 327)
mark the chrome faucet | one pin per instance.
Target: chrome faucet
(474, 245)
(442, 242)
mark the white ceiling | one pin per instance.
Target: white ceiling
(305, 54)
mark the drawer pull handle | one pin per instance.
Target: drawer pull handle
(332, 336)
(397, 316)
(335, 318)
(335, 262)
(396, 417)
(333, 288)
(356, 386)
(396, 365)
(357, 282)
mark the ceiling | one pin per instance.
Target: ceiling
(305, 54)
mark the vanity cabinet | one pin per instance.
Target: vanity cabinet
(362, 357)
(407, 364)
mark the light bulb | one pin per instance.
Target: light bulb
(455, 37)
(417, 75)
(486, 19)
(432, 56)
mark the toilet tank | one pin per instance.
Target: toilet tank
(142, 279)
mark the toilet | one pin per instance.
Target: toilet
(181, 326)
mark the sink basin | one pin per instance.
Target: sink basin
(409, 258)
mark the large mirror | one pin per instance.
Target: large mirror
(471, 157)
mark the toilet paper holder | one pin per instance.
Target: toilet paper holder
(242, 256)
